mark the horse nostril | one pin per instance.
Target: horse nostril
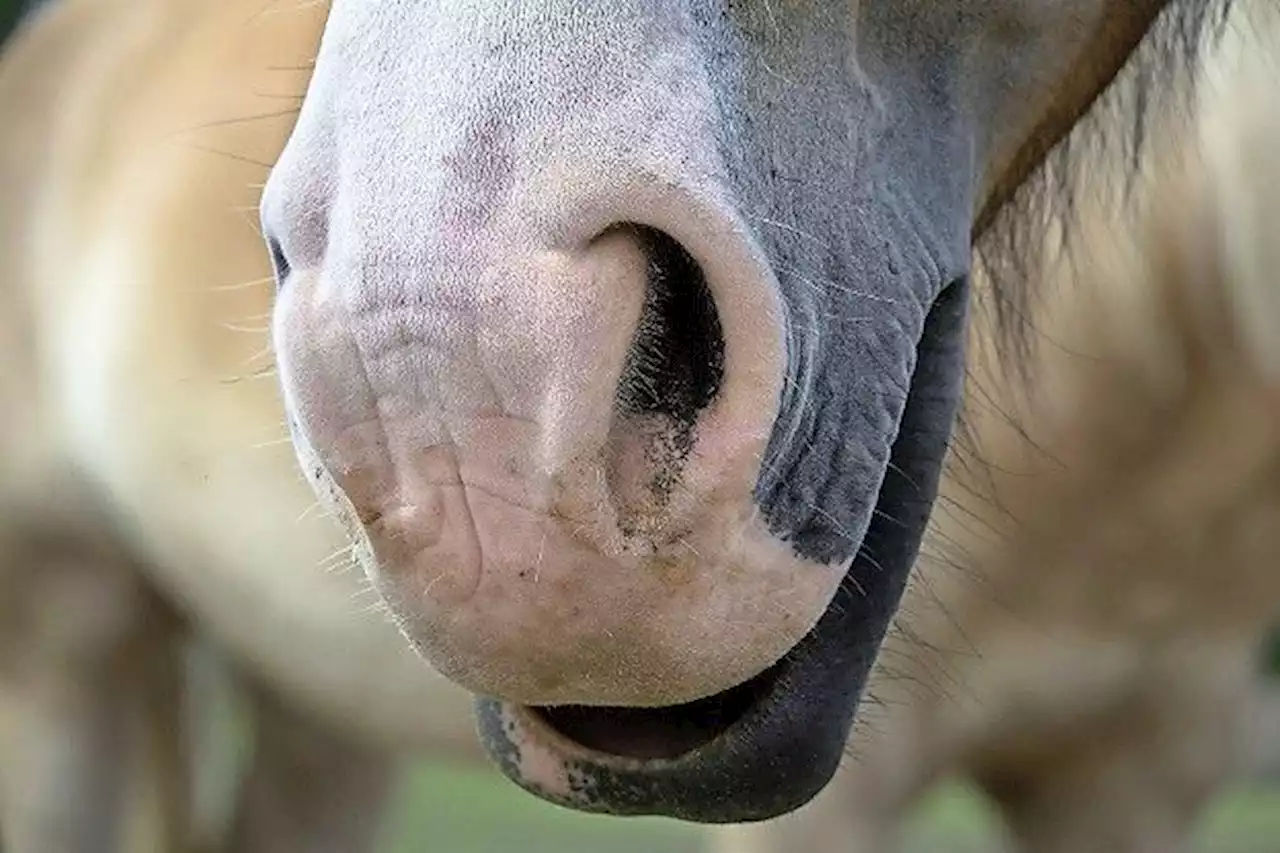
(279, 263)
(672, 372)
(676, 362)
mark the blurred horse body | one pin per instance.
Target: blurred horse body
(136, 139)
(135, 364)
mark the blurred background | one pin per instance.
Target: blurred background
(468, 809)
(447, 806)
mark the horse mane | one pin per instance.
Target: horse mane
(1150, 96)
(1072, 220)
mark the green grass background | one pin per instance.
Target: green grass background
(462, 810)
(468, 808)
(9, 12)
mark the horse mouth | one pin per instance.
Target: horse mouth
(753, 752)
(618, 735)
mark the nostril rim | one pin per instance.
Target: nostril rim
(279, 262)
(676, 362)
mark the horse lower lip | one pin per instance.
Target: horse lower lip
(709, 761)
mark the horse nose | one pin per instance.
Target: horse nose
(613, 357)
(547, 448)
(534, 355)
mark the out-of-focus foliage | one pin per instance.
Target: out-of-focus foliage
(10, 12)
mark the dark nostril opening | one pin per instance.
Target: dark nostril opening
(676, 362)
(279, 263)
(672, 371)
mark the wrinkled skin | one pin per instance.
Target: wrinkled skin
(625, 339)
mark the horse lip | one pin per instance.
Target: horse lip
(533, 724)
(567, 748)
(512, 733)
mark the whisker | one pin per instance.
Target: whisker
(263, 373)
(252, 330)
(227, 122)
(245, 285)
(241, 158)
